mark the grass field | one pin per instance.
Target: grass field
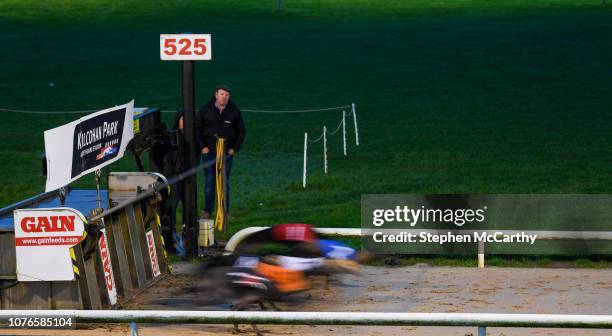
(465, 96)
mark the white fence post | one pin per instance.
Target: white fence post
(344, 131)
(133, 329)
(355, 123)
(305, 149)
(481, 256)
(325, 149)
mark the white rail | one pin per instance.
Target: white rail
(325, 318)
(357, 232)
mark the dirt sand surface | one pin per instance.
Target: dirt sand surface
(419, 288)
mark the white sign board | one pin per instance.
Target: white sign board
(87, 144)
(109, 279)
(185, 47)
(43, 238)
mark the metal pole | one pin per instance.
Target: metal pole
(192, 150)
(344, 131)
(133, 329)
(482, 331)
(98, 175)
(355, 123)
(305, 150)
(325, 149)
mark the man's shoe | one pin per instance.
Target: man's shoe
(206, 215)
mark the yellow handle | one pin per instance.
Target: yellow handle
(219, 167)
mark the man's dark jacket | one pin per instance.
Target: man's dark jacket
(227, 124)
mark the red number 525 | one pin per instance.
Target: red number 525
(184, 46)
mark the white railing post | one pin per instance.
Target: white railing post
(481, 256)
(355, 123)
(305, 149)
(133, 329)
(325, 149)
(344, 131)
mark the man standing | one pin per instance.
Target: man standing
(219, 118)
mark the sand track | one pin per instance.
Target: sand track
(417, 288)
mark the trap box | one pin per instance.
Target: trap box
(52, 256)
